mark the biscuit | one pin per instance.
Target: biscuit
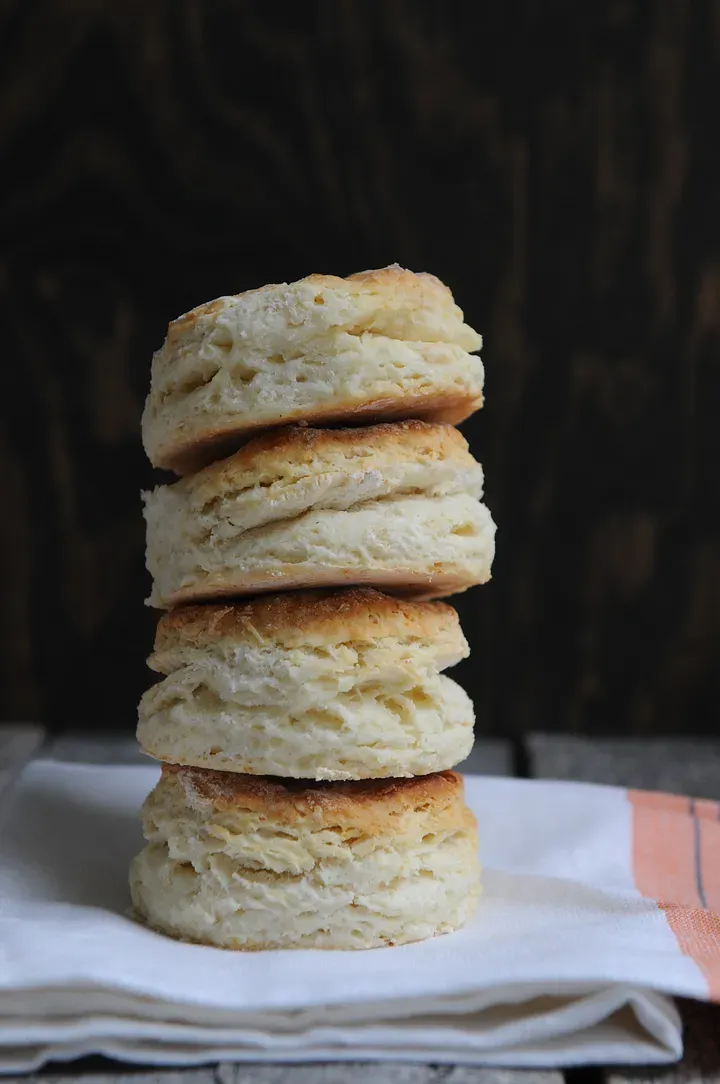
(310, 685)
(244, 862)
(393, 506)
(385, 344)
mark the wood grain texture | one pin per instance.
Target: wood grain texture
(555, 163)
(682, 766)
(97, 1070)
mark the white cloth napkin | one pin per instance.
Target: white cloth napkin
(565, 962)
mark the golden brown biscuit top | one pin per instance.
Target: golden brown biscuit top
(373, 804)
(390, 286)
(297, 451)
(309, 618)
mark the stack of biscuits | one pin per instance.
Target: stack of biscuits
(305, 727)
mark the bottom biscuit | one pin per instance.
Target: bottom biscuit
(245, 862)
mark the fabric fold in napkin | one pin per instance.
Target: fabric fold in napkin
(569, 959)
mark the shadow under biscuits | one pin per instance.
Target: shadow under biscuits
(73, 849)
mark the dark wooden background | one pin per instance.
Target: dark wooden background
(556, 163)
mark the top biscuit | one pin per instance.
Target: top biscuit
(386, 344)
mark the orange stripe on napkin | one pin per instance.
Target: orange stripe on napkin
(676, 861)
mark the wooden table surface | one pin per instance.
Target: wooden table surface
(686, 766)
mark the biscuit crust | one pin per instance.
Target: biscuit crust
(394, 506)
(371, 805)
(309, 618)
(386, 344)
